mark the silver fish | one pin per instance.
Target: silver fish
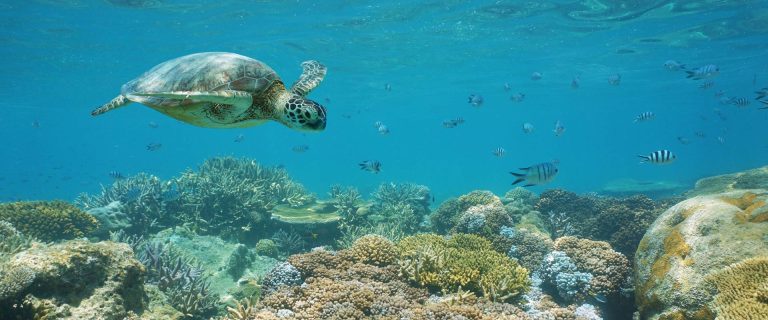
(153, 125)
(645, 116)
(614, 79)
(536, 76)
(659, 157)
(507, 86)
(383, 130)
(371, 166)
(559, 128)
(475, 100)
(703, 72)
(387, 87)
(706, 85)
(673, 65)
(536, 174)
(683, 140)
(527, 127)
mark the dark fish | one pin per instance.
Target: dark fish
(625, 51)
(153, 125)
(154, 146)
(475, 100)
(740, 101)
(645, 116)
(35, 124)
(614, 79)
(575, 83)
(659, 157)
(116, 175)
(499, 152)
(449, 124)
(703, 72)
(700, 134)
(370, 165)
(537, 174)
(300, 148)
(387, 87)
(706, 85)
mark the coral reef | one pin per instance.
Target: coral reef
(610, 270)
(526, 247)
(145, 201)
(283, 274)
(48, 220)
(73, 280)
(111, 218)
(267, 247)
(691, 240)
(449, 212)
(239, 261)
(374, 249)
(485, 220)
(559, 272)
(742, 290)
(749, 179)
(620, 222)
(288, 242)
(401, 204)
(462, 261)
(11, 241)
(232, 197)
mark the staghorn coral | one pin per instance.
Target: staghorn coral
(449, 212)
(146, 202)
(348, 203)
(463, 261)
(373, 249)
(742, 290)
(230, 196)
(609, 269)
(48, 220)
(11, 241)
(404, 205)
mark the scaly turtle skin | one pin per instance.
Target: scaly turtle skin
(225, 90)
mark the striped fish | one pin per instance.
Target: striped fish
(703, 72)
(371, 166)
(706, 85)
(659, 157)
(645, 116)
(499, 152)
(537, 174)
(764, 102)
(740, 101)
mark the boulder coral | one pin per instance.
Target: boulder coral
(610, 270)
(48, 220)
(684, 258)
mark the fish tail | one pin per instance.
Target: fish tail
(520, 177)
(645, 158)
(691, 74)
(765, 103)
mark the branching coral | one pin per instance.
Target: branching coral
(11, 241)
(147, 201)
(48, 220)
(229, 196)
(463, 261)
(349, 235)
(347, 201)
(404, 205)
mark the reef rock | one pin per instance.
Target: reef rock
(750, 179)
(73, 280)
(688, 261)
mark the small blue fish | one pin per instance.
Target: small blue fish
(659, 157)
(535, 76)
(706, 85)
(704, 72)
(559, 128)
(575, 83)
(527, 127)
(371, 166)
(153, 125)
(537, 174)
(475, 100)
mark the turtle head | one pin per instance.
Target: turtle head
(303, 114)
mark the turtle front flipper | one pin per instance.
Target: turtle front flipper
(240, 100)
(117, 102)
(313, 74)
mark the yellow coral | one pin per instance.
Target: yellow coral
(741, 290)
(48, 220)
(374, 249)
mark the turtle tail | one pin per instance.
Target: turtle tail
(117, 102)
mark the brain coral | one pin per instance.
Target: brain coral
(48, 220)
(691, 241)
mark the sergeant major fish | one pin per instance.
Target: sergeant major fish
(659, 157)
(673, 65)
(703, 72)
(537, 174)
(475, 100)
(370, 166)
(527, 127)
(645, 116)
(499, 152)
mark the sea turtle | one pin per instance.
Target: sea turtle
(225, 90)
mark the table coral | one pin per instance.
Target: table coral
(48, 220)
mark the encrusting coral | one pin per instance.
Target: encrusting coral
(48, 220)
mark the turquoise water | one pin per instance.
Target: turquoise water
(61, 59)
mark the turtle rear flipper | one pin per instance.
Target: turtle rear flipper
(117, 102)
(312, 75)
(241, 100)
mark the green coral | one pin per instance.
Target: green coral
(267, 247)
(463, 261)
(11, 241)
(48, 220)
(449, 212)
(401, 204)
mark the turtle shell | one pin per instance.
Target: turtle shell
(207, 71)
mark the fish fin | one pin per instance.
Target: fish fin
(645, 158)
(526, 169)
(765, 103)
(518, 180)
(691, 74)
(529, 185)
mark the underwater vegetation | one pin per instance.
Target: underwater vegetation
(48, 220)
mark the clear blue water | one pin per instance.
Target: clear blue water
(61, 59)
